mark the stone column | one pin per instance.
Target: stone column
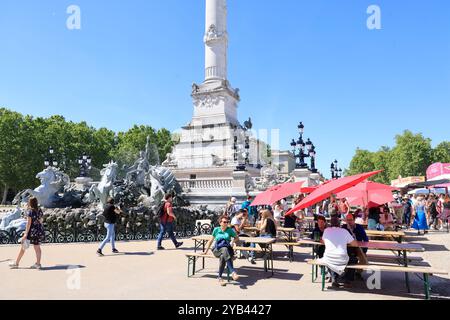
(216, 40)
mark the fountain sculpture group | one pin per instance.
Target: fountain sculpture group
(75, 213)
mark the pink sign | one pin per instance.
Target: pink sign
(438, 169)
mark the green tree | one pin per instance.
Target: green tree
(411, 156)
(381, 161)
(362, 161)
(442, 152)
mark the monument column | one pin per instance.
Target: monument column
(216, 40)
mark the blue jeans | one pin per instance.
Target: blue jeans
(167, 227)
(110, 236)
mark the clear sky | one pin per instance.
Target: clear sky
(133, 62)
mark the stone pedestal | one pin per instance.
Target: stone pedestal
(301, 175)
(311, 179)
(239, 189)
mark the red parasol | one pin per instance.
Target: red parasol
(332, 187)
(278, 192)
(368, 194)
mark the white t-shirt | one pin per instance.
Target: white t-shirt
(236, 221)
(336, 241)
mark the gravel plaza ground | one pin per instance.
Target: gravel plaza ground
(74, 271)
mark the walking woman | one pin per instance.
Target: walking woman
(34, 234)
(111, 214)
(420, 216)
(223, 249)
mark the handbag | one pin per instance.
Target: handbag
(25, 244)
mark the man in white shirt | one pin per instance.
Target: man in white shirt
(335, 257)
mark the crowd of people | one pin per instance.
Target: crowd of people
(339, 237)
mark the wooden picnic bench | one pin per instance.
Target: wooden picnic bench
(192, 259)
(425, 271)
(200, 243)
(401, 249)
(394, 235)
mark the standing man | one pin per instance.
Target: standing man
(407, 210)
(167, 220)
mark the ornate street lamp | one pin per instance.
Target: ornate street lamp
(49, 160)
(85, 164)
(303, 150)
(336, 172)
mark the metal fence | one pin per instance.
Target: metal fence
(97, 234)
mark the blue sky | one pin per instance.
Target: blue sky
(133, 62)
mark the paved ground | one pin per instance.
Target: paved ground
(141, 272)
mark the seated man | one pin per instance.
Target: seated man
(355, 254)
(335, 256)
(317, 234)
(238, 223)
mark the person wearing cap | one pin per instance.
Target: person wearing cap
(335, 256)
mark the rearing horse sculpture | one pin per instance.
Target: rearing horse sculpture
(52, 181)
(104, 189)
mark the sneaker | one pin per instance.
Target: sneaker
(235, 276)
(36, 266)
(222, 283)
(13, 265)
(115, 251)
(99, 252)
(251, 260)
(161, 248)
(179, 244)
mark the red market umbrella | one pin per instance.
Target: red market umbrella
(332, 187)
(278, 192)
(368, 194)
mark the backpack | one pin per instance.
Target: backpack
(161, 211)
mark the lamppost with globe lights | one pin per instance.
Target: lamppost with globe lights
(85, 164)
(299, 147)
(336, 172)
(49, 160)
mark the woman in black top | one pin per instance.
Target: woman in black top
(111, 214)
(268, 227)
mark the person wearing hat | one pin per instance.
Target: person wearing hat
(335, 256)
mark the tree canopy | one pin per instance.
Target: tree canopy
(25, 141)
(411, 156)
